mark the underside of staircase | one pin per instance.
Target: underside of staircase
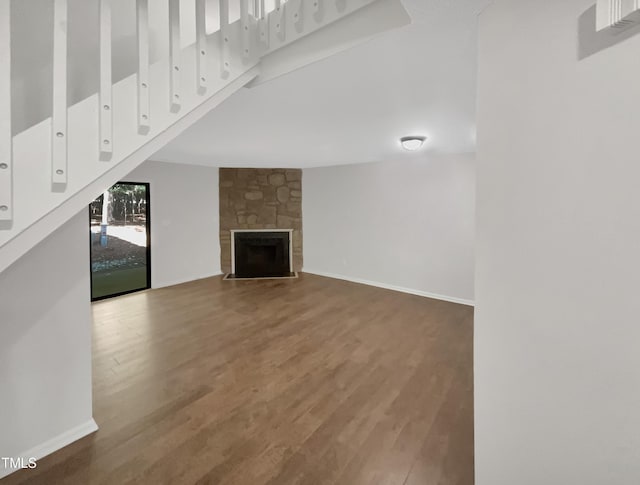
(52, 170)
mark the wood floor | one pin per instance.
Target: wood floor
(306, 381)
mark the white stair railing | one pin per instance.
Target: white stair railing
(90, 144)
(59, 132)
(202, 71)
(175, 56)
(142, 91)
(106, 83)
(263, 25)
(225, 47)
(617, 16)
(6, 141)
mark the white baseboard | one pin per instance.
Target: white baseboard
(54, 444)
(426, 294)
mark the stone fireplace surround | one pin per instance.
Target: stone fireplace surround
(260, 199)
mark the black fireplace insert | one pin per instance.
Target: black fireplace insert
(261, 254)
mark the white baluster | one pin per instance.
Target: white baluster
(278, 20)
(245, 28)
(225, 48)
(106, 81)
(201, 40)
(294, 10)
(316, 6)
(6, 160)
(142, 32)
(174, 54)
(263, 25)
(341, 5)
(59, 133)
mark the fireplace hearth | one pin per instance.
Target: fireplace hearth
(261, 254)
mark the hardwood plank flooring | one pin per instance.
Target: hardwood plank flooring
(305, 381)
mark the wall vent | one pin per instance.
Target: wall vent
(617, 15)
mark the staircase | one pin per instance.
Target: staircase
(53, 169)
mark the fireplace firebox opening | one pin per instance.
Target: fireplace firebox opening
(261, 254)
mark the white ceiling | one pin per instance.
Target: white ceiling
(353, 107)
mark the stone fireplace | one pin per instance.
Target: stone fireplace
(260, 209)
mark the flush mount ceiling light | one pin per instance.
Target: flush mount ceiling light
(412, 143)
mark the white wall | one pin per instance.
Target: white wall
(45, 345)
(184, 221)
(407, 223)
(557, 365)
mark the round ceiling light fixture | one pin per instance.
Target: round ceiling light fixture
(412, 143)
